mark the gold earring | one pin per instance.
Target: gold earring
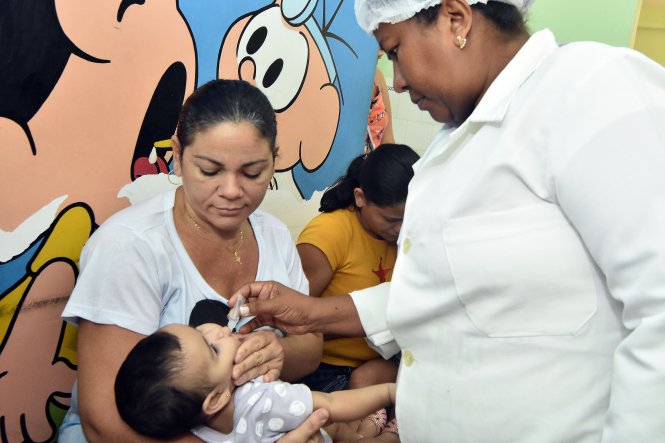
(461, 41)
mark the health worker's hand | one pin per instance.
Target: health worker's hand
(260, 353)
(273, 304)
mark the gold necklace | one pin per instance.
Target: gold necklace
(236, 253)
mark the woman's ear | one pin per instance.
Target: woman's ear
(459, 14)
(177, 156)
(359, 196)
(216, 401)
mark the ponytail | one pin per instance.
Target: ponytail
(383, 175)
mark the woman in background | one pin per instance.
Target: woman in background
(351, 246)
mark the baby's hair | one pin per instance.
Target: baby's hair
(383, 175)
(146, 392)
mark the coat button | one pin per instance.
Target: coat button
(406, 245)
(408, 359)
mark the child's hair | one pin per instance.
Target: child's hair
(146, 392)
(383, 175)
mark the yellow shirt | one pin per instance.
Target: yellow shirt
(358, 261)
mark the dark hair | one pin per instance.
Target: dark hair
(383, 175)
(220, 101)
(507, 18)
(145, 393)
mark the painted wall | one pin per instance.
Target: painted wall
(650, 37)
(609, 21)
(89, 96)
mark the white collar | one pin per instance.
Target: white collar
(494, 104)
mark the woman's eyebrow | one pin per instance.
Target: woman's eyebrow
(221, 165)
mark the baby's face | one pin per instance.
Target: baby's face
(208, 351)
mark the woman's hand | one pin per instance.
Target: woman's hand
(260, 353)
(275, 305)
(309, 431)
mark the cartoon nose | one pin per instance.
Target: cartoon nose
(247, 70)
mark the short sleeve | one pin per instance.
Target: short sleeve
(297, 276)
(330, 235)
(118, 283)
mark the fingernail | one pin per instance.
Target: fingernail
(244, 311)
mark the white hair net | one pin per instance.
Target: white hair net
(371, 13)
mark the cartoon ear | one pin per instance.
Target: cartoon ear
(215, 401)
(314, 151)
(90, 26)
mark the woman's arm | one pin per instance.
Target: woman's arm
(354, 404)
(379, 79)
(302, 354)
(316, 267)
(101, 351)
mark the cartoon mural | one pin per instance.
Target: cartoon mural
(314, 64)
(89, 96)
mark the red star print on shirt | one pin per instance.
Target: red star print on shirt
(382, 273)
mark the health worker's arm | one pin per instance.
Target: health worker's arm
(275, 305)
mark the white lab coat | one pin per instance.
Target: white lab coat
(528, 298)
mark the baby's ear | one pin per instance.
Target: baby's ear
(215, 401)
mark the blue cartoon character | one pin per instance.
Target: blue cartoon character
(316, 67)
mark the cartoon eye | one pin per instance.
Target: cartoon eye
(280, 56)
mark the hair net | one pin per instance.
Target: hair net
(371, 13)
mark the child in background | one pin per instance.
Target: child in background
(179, 379)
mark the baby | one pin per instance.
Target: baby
(179, 379)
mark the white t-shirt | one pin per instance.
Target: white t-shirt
(136, 273)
